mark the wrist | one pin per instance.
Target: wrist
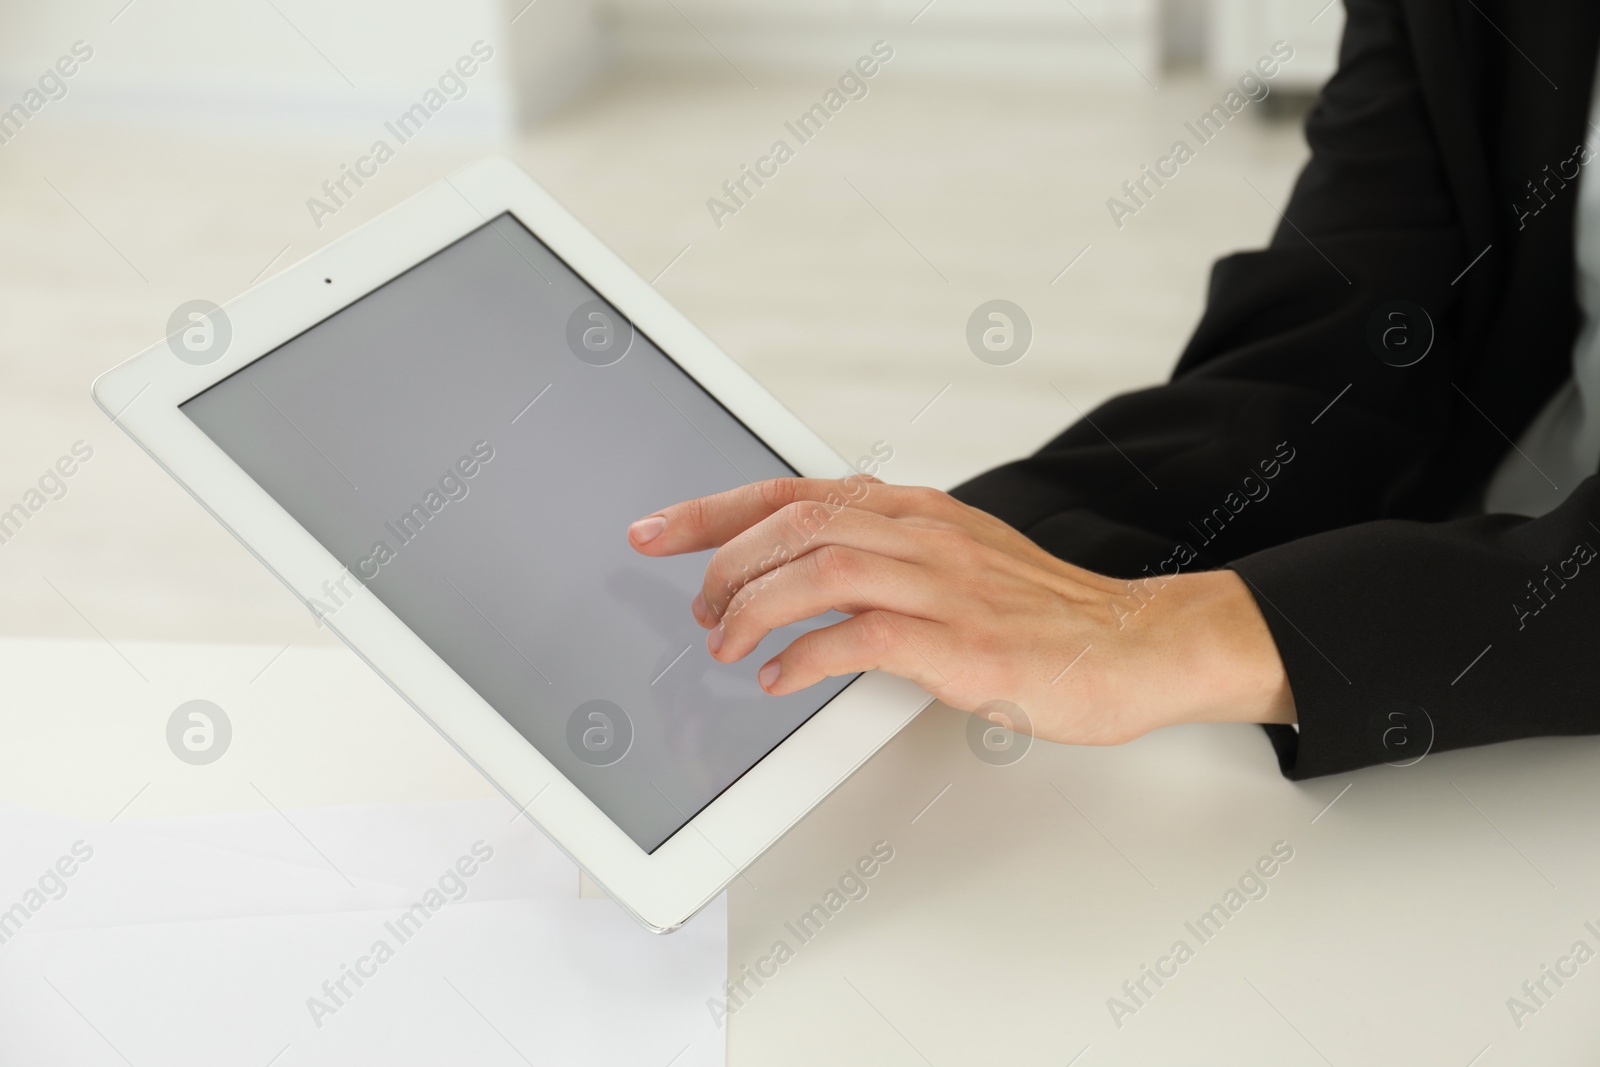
(1231, 655)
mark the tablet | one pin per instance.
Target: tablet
(436, 431)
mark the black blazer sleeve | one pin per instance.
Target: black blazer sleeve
(1285, 448)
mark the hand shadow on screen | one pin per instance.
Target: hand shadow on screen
(654, 599)
(705, 705)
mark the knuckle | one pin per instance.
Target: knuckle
(833, 565)
(803, 658)
(738, 604)
(747, 606)
(807, 517)
(796, 512)
(775, 493)
(878, 633)
(719, 575)
(695, 513)
(926, 500)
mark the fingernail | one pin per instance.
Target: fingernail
(697, 607)
(714, 639)
(768, 675)
(646, 530)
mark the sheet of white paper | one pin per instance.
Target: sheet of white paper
(503, 982)
(201, 939)
(403, 845)
(58, 872)
(276, 863)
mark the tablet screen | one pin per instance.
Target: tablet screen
(471, 441)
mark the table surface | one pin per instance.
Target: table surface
(1076, 906)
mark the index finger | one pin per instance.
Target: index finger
(712, 521)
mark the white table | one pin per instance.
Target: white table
(1020, 898)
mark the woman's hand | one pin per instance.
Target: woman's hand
(968, 608)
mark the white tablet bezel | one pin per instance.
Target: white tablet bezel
(661, 889)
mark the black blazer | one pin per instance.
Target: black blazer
(1286, 449)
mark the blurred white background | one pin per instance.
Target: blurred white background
(176, 162)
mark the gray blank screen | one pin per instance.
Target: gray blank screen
(443, 439)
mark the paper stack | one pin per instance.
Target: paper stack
(398, 934)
